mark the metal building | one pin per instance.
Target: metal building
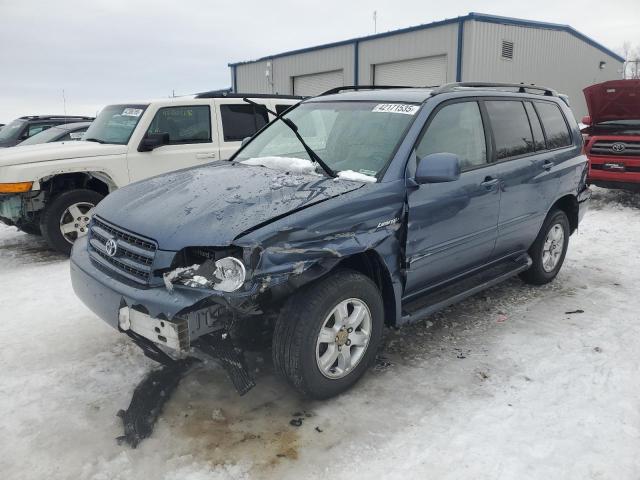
(475, 47)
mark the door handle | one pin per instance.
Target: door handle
(489, 182)
(548, 165)
(206, 155)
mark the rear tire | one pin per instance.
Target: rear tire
(549, 249)
(66, 218)
(336, 322)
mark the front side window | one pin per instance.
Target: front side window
(242, 121)
(456, 128)
(184, 124)
(511, 129)
(115, 124)
(554, 125)
(357, 136)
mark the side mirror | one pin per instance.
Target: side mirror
(586, 120)
(438, 168)
(245, 140)
(152, 141)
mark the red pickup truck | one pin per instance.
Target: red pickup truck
(612, 134)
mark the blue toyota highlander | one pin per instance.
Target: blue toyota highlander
(356, 209)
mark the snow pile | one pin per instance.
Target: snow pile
(284, 164)
(517, 382)
(356, 176)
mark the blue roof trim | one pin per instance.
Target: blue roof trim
(480, 17)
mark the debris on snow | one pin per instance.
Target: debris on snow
(574, 311)
(148, 399)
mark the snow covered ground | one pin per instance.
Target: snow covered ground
(506, 385)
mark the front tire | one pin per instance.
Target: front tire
(549, 249)
(328, 333)
(66, 218)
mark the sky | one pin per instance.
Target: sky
(100, 52)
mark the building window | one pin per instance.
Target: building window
(507, 50)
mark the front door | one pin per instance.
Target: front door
(190, 142)
(452, 226)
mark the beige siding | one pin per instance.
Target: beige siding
(552, 58)
(406, 46)
(251, 77)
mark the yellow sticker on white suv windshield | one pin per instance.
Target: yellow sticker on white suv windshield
(396, 108)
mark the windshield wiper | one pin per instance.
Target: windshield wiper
(94, 140)
(294, 128)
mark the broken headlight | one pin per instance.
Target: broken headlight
(217, 272)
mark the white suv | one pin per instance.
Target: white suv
(53, 188)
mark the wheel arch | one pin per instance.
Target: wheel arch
(370, 264)
(569, 205)
(99, 182)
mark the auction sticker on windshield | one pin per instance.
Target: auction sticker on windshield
(132, 112)
(396, 108)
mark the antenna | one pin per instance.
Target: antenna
(64, 105)
(375, 21)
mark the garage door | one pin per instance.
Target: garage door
(317, 83)
(419, 72)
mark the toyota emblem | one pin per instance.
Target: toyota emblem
(618, 147)
(111, 247)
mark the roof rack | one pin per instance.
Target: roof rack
(224, 94)
(363, 87)
(507, 87)
(53, 117)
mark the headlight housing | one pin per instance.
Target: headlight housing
(209, 269)
(231, 274)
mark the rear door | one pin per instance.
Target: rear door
(191, 141)
(452, 226)
(237, 120)
(526, 169)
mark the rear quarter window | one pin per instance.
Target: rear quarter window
(554, 124)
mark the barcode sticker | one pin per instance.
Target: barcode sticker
(396, 108)
(131, 112)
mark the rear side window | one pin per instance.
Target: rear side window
(37, 128)
(555, 126)
(184, 124)
(241, 121)
(456, 128)
(510, 127)
(536, 128)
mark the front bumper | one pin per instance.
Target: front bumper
(190, 312)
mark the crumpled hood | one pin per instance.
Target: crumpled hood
(613, 100)
(214, 204)
(56, 151)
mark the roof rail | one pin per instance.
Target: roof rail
(51, 117)
(223, 94)
(331, 91)
(521, 87)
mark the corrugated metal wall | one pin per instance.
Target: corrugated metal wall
(440, 40)
(551, 58)
(251, 77)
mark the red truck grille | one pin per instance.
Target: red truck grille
(614, 147)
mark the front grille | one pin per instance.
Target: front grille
(133, 258)
(614, 147)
